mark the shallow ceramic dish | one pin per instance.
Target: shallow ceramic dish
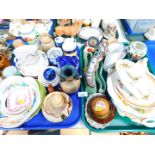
(9, 85)
(87, 32)
(94, 115)
(57, 107)
(140, 87)
(126, 110)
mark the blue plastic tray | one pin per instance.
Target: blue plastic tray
(151, 55)
(38, 122)
(128, 29)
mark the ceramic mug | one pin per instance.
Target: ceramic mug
(137, 50)
(59, 41)
(53, 54)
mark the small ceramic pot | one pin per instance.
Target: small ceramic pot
(53, 54)
(59, 41)
(46, 42)
(49, 76)
(70, 80)
(67, 60)
(3, 61)
(10, 71)
(137, 50)
(28, 33)
(92, 44)
(87, 22)
(69, 47)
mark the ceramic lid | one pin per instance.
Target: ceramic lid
(26, 28)
(69, 45)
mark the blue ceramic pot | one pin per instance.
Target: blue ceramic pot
(49, 74)
(67, 60)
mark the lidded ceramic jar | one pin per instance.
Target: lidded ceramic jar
(137, 50)
(69, 47)
(69, 79)
(28, 33)
(46, 42)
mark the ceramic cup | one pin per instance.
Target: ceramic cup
(26, 55)
(69, 47)
(59, 41)
(137, 50)
(53, 54)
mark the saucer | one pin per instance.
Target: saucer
(34, 70)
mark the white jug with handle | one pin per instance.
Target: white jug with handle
(26, 55)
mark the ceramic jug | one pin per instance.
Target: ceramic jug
(26, 55)
(69, 79)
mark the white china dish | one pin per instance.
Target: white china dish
(87, 32)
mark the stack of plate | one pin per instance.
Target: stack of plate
(132, 88)
(20, 99)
